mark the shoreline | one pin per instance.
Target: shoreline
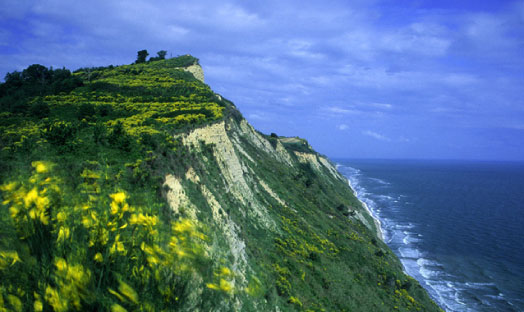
(376, 221)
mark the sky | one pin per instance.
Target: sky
(357, 79)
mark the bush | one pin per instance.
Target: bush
(86, 111)
(39, 110)
(60, 133)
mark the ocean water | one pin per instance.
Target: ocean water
(456, 226)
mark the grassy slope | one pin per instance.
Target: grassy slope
(114, 133)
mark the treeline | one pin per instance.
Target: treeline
(35, 80)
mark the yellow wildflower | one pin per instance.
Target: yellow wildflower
(15, 302)
(116, 294)
(30, 197)
(183, 226)
(12, 255)
(120, 247)
(42, 202)
(225, 285)
(33, 214)
(40, 166)
(224, 271)
(212, 286)
(14, 210)
(53, 298)
(44, 218)
(8, 187)
(38, 306)
(61, 264)
(119, 197)
(128, 292)
(63, 234)
(117, 308)
(86, 222)
(61, 216)
(98, 257)
(114, 207)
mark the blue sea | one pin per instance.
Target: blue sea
(456, 226)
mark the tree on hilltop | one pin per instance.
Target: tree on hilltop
(161, 55)
(141, 56)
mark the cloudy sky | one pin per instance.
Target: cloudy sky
(369, 79)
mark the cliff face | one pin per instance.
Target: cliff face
(284, 216)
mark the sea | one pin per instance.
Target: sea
(457, 226)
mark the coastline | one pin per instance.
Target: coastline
(376, 221)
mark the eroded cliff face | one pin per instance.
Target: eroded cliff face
(228, 178)
(196, 70)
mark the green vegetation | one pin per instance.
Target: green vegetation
(72, 238)
(85, 224)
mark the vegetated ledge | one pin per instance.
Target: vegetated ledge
(145, 190)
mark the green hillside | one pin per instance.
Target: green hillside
(138, 188)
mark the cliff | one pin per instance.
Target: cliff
(233, 220)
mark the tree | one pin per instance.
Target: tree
(36, 73)
(161, 54)
(141, 56)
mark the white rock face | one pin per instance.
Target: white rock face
(332, 169)
(232, 168)
(309, 158)
(196, 70)
(270, 192)
(177, 198)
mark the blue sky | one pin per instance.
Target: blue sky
(358, 79)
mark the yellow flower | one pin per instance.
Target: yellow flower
(44, 218)
(61, 216)
(61, 264)
(117, 308)
(42, 202)
(120, 247)
(63, 234)
(225, 271)
(114, 207)
(13, 255)
(128, 292)
(13, 210)
(38, 306)
(98, 257)
(183, 226)
(119, 197)
(52, 296)
(30, 197)
(86, 222)
(225, 285)
(15, 302)
(40, 166)
(8, 187)
(33, 214)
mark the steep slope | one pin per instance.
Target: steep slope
(232, 220)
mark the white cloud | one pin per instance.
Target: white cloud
(342, 127)
(376, 135)
(343, 111)
(381, 105)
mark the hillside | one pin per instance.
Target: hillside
(138, 188)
